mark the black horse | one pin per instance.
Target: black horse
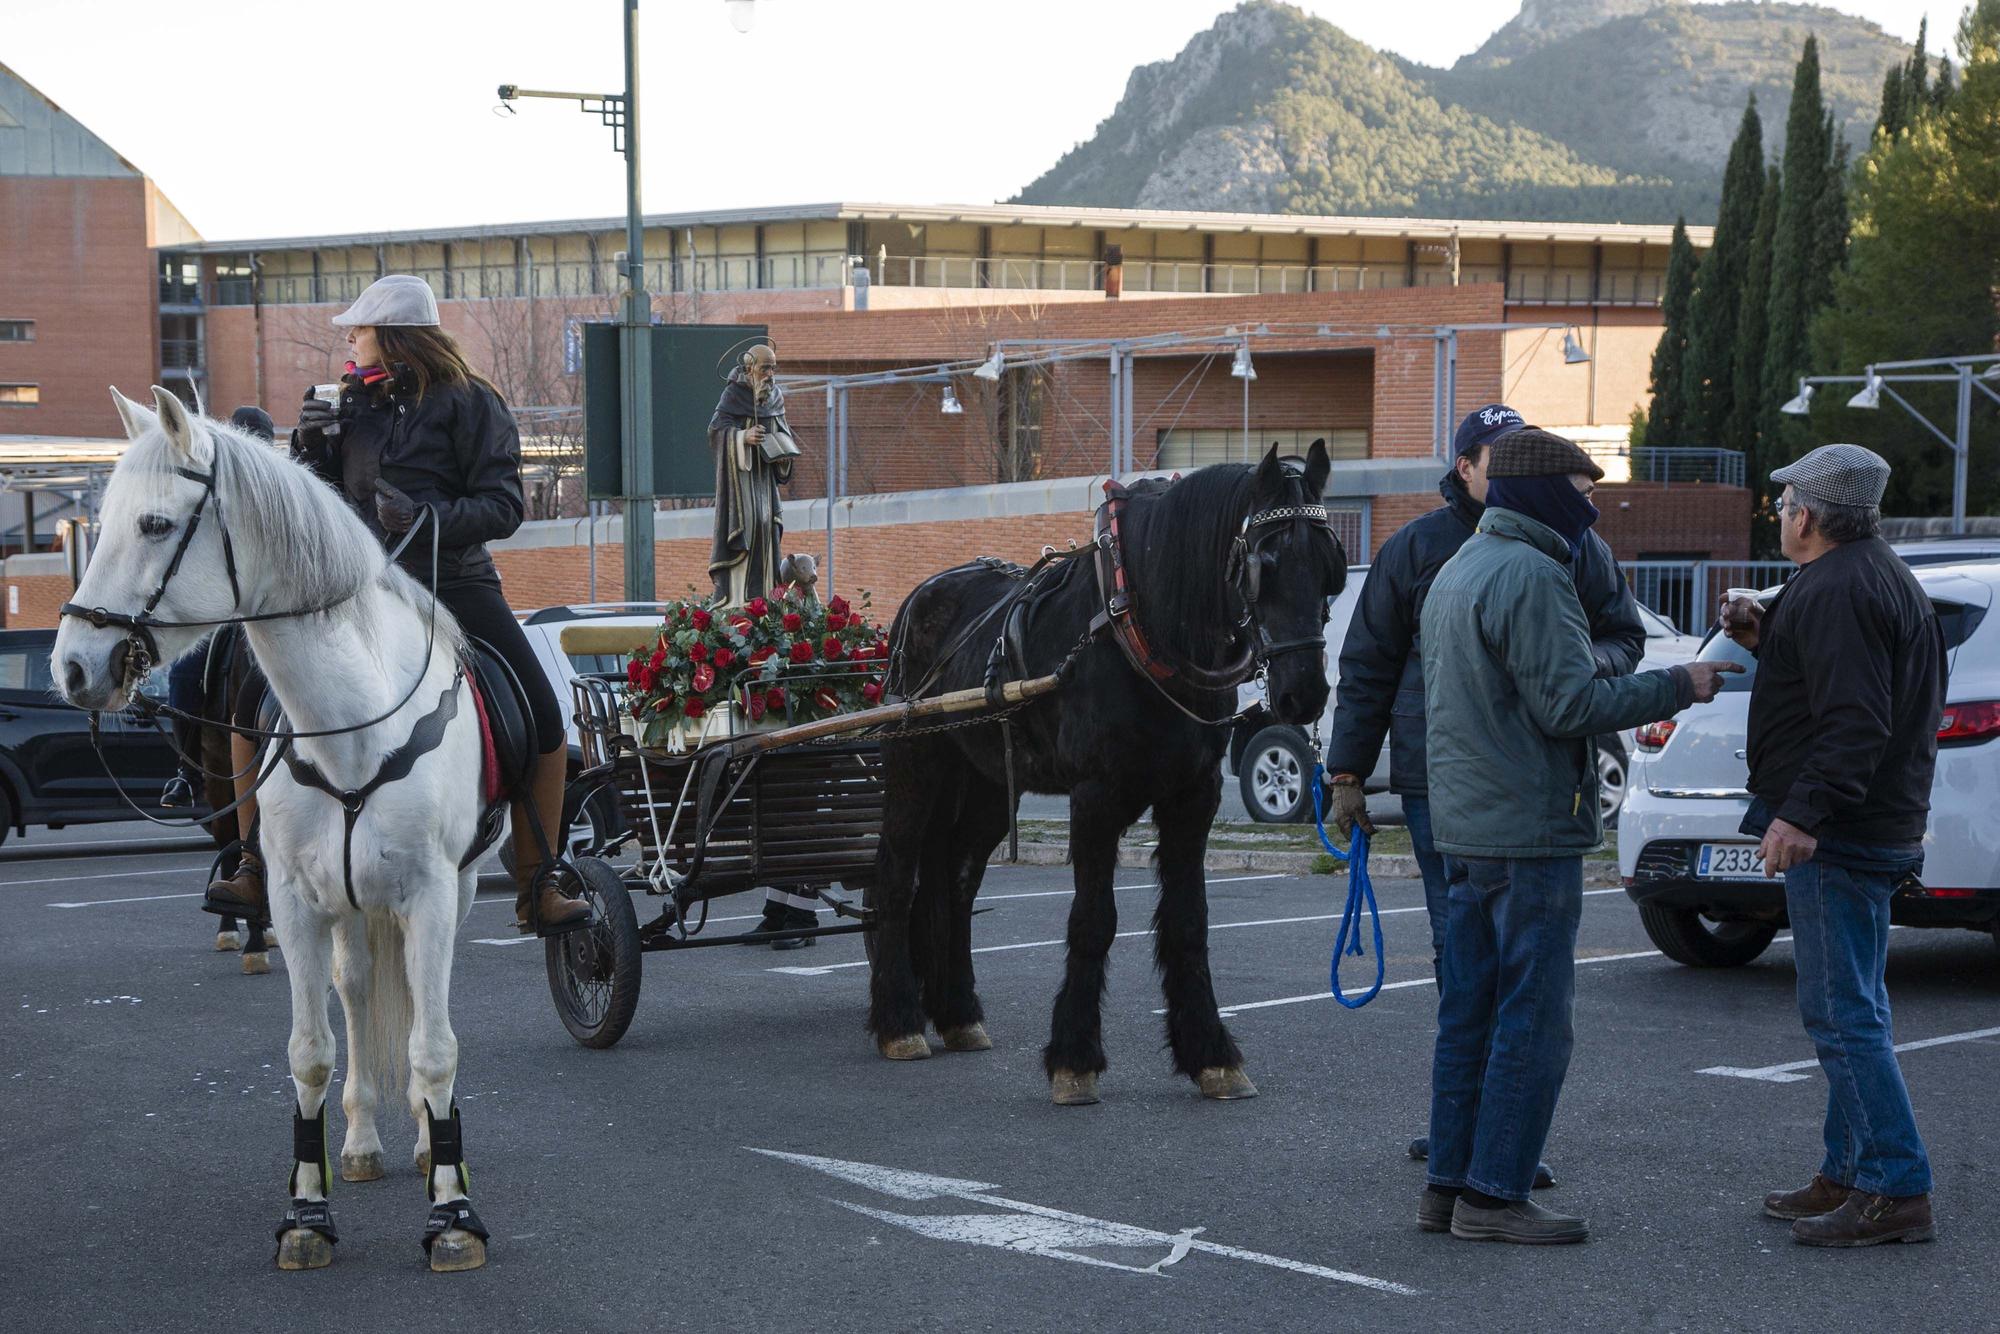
(1228, 571)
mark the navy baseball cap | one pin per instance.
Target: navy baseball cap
(1483, 426)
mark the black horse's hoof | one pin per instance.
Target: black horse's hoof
(1226, 1083)
(909, 1048)
(1069, 1089)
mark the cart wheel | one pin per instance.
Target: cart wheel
(594, 972)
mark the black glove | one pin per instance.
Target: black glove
(393, 510)
(319, 416)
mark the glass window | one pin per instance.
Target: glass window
(1196, 447)
(17, 331)
(26, 669)
(21, 395)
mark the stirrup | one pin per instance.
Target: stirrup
(222, 903)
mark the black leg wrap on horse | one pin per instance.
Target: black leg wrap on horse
(452, 1214)
(447, 1150)
(309, 1149)
(310, 1215)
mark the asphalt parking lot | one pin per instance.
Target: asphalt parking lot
(744, 1160)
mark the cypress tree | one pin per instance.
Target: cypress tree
(1894, 113)
(1709, 383)
(1667, 422)
(1795, 246)
(1743, 430)
(1830, 228)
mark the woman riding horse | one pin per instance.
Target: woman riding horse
(417, 428)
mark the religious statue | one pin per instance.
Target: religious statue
(754, 449)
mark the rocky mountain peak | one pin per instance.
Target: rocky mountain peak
(1541, 22)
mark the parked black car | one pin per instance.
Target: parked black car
(49, 773)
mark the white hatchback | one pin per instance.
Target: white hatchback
(1699, 883)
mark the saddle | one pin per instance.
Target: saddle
(507, 740)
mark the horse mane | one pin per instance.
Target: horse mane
(1178, 541)
(310, 538)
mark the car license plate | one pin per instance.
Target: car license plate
(1729, 861)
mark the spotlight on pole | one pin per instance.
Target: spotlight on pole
(1240, 367)
(991, 368)
(1801, 404)
(742, 14)
(1573, 353)
(1870, 395)
(951, 407)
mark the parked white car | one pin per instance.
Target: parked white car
(1700, 884)
(1273, 762)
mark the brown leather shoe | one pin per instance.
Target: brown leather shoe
(558, 911)
(1816, 1197)
(1869, 1220)
(242, 894)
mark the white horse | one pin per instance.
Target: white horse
(268, 540)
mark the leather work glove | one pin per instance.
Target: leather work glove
(1348, 805)
(318, 415)
(393, 510)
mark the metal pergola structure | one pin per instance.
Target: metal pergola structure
(1968, 373)
(1118, 354)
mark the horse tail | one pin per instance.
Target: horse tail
(391, 1012)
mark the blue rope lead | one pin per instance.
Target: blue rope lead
(1359, 887)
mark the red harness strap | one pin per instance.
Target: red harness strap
(1117, 613)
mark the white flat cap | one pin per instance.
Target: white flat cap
(398, 298)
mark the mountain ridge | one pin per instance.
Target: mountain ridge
(1274, 110)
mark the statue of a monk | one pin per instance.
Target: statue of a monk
(754, 449)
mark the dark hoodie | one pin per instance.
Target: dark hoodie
(1381, 685)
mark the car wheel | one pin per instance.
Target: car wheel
(1275, 774)
(1685, 936)
(1612, 776)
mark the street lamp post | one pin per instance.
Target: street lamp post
(620, 111)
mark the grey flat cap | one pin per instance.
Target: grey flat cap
(1838, 475)
(399, 298)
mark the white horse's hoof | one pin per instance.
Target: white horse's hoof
(227, 942)
(970, 1038)
(256, 964)
(1224, 1083)
(1067, 1089)
(911, 1048)
(454, 1251)
(302, 1248)
(361, 1166)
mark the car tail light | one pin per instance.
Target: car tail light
(1653, 736)
(1976, 720)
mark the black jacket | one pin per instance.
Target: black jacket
(1844, 711)
(1381, 663)
(456, 450)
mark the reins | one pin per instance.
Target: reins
(142, 647)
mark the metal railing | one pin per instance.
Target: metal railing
(180, 354)
(174, 292)
(1719, 467)
(1576, 287)
(1687, 592)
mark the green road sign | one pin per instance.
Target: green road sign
(690, 363)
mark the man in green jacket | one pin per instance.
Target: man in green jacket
(1512, 698)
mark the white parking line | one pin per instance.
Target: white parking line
(114, 875)
(1783, 1074)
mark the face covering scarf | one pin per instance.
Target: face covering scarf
(1553, 502)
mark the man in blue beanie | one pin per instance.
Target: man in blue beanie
(1513, 696)
(1381, 687)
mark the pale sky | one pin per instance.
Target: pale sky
(288, 117)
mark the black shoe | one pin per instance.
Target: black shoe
(177, 793)
(1420, 1148)
(1523, 1222)
(797, 919)
(1434, 1208)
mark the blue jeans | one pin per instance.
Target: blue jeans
(1839, 906)
(1504, 1034)
(1435, 868)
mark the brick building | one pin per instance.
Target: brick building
(1374, 333)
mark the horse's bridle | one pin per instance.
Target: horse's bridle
(140, 628)
(1246, 574)
(1245, 579)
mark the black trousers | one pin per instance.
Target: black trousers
(483, 612)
